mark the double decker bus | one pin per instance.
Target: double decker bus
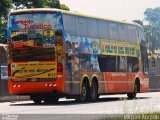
(56, 53)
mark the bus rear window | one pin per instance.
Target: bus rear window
(33, 35)
(33, 54)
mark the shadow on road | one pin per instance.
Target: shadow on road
(73, 102)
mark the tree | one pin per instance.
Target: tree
(152, 34)
(20, 4)
(64, 7)
(5, 5)
(3, 35)
(153, 16)
(36, 4)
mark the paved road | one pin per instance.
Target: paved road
(111, 104)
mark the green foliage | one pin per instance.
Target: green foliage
(153, 15)
(5, 5)
(36, 4)
(64, 7)
(3, 35)
(19, 4)
(39, 4)
(152, 34)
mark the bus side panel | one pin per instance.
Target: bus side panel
(72, 76)
(72, 83)
(116, 82)
(101, 84)
(131, 78)
(144, 82)
(67, 82)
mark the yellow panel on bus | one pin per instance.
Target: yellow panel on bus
(112, 47)
(34, 70)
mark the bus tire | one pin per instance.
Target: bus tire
(51, 100)
(136, 89)
(36, 99)
(83, 97)
(94, 91)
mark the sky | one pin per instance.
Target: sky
(115, 9)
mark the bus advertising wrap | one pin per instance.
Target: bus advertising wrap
(34, 70)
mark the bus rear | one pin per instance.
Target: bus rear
(35, 40)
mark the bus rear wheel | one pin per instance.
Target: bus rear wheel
(84, 92)
(133, 95)
(36, 99)
(51, 99)
(94, 91)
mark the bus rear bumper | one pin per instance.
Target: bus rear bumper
(34, 87)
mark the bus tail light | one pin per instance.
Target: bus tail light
(59, 68)
(9, 70)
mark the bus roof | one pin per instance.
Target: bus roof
(71, 13)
